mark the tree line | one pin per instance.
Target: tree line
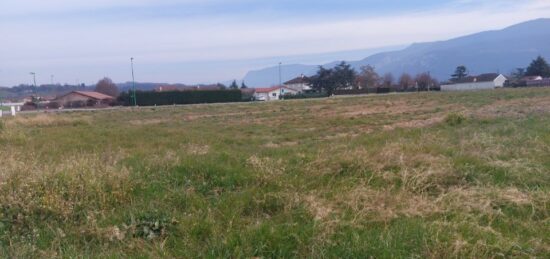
(344, 77)
(537, 67)
(517, 78)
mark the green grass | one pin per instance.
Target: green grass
(433, 175)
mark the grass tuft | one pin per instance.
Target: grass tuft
(454, 119)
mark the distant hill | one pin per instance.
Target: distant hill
(491, 51)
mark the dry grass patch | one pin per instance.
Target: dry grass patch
(144, 122)
(319, 208)
(384, 205)
(70, 194)
(48, 120)
(266, 166)
(281, 144)
(195, 149)
(422, 123)
(515, 108)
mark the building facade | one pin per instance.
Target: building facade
(300, 84)
(78, 99)
(480, 82)
(272, 93)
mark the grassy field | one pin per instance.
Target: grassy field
(429, 175)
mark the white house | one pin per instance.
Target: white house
(480, 82)
(14, 107)
(532, 78)
(300, 84)
(272, 93)
(536, 81)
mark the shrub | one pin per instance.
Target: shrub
(454, 119)
(53, 105)
(304, 96)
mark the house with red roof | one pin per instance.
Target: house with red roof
(79, 99)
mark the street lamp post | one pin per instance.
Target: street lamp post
(133, 82)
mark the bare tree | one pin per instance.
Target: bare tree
(106, 86)
(387, 80)
(425, 81)
(406, 81)
(367, 78)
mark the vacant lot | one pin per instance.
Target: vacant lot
(432, 175)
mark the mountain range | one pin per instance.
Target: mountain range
(500, 51)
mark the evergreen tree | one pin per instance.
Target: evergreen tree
(234, 85)
(539, 67)
(344, 75)
(328, 80)
(518, 74)
(323, 80)
(460, 72)
(243, 85)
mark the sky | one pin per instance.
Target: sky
(208, 41)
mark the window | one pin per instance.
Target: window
(274, 94)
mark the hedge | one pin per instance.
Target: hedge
(304, 96)
(181, 97)
(359, 91)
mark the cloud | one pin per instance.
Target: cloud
(96, 41)
(30, 7)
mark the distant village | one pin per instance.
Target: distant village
(341, 80)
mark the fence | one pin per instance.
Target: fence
(380, 90)
(181, 97)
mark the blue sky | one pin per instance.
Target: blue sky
(194, 41)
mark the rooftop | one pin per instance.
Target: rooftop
(93, 95)
(477, 79)
(298, 80)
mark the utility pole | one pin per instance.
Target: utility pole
(431, 83)
(280, 81)
(1, 102)
(34, 78)
(35, 91)
(133, 82)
